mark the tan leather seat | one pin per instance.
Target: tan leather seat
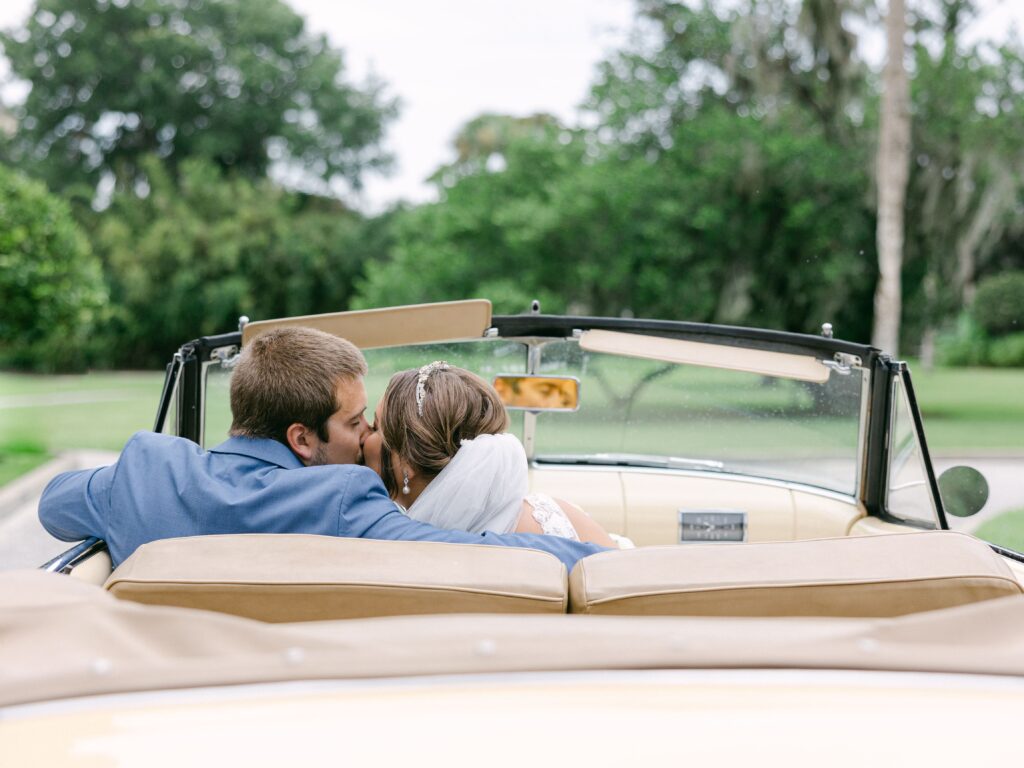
(887, 575)
(295, 577)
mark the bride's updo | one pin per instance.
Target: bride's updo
(454, 405)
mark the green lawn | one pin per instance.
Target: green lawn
(965, 411)
(17, 460)
(1006, 530)
(41, 415)
(972, 409)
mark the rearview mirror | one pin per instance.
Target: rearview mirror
(964, 491)
(538, 393)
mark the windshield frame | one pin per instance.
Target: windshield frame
(643, 462)
(861, 359)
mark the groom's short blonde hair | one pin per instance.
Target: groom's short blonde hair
(457, 405)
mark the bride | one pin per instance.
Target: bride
(440, 445)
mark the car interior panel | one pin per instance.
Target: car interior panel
(598, 491)
(654, 501)
(817, 516)
(95, 569)
(873, 526)
(1016, 568)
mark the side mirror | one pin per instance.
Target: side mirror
(538, 393)
(964, 491)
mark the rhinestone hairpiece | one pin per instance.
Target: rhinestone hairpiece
(421, 381)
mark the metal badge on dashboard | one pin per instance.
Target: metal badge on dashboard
(722, 525)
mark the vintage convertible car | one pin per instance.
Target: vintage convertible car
(794, 588)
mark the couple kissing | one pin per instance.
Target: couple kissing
(439, 443)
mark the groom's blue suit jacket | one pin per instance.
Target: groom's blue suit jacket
(163, 487)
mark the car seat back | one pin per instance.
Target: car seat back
(887, 575)
(300, 577)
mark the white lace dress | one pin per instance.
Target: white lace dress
(554, 522)
(550, 516)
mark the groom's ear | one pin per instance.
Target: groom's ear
(302, 441)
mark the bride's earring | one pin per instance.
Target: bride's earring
(405, 483)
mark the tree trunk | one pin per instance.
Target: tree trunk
(928, 348)
(892, 170)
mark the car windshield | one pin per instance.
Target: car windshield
(637, 412)
(653, 413)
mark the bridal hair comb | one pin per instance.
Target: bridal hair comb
(421, 381)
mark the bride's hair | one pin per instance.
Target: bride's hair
(457, 405)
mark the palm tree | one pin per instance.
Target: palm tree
(892, 171)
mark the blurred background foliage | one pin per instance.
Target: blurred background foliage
(51, 287)
(195, 156)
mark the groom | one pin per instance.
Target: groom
(291, 465)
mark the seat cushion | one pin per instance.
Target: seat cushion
(298, 577)
(887, 575)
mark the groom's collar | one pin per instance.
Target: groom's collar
(263, 449)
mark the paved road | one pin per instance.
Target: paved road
(24, 543)
(9, 402)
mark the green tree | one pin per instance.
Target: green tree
(51, 290)
(483, 142)
(743, 221)
(740, 220)
(197, 252)
(755, 57)
(725, 180)
(777, 103)
(967, 177)
(482, 238)
(998, 306)
(238, 82)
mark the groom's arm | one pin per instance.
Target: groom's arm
(367, 512)
(75, 505)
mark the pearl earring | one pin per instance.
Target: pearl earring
(405, 481)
